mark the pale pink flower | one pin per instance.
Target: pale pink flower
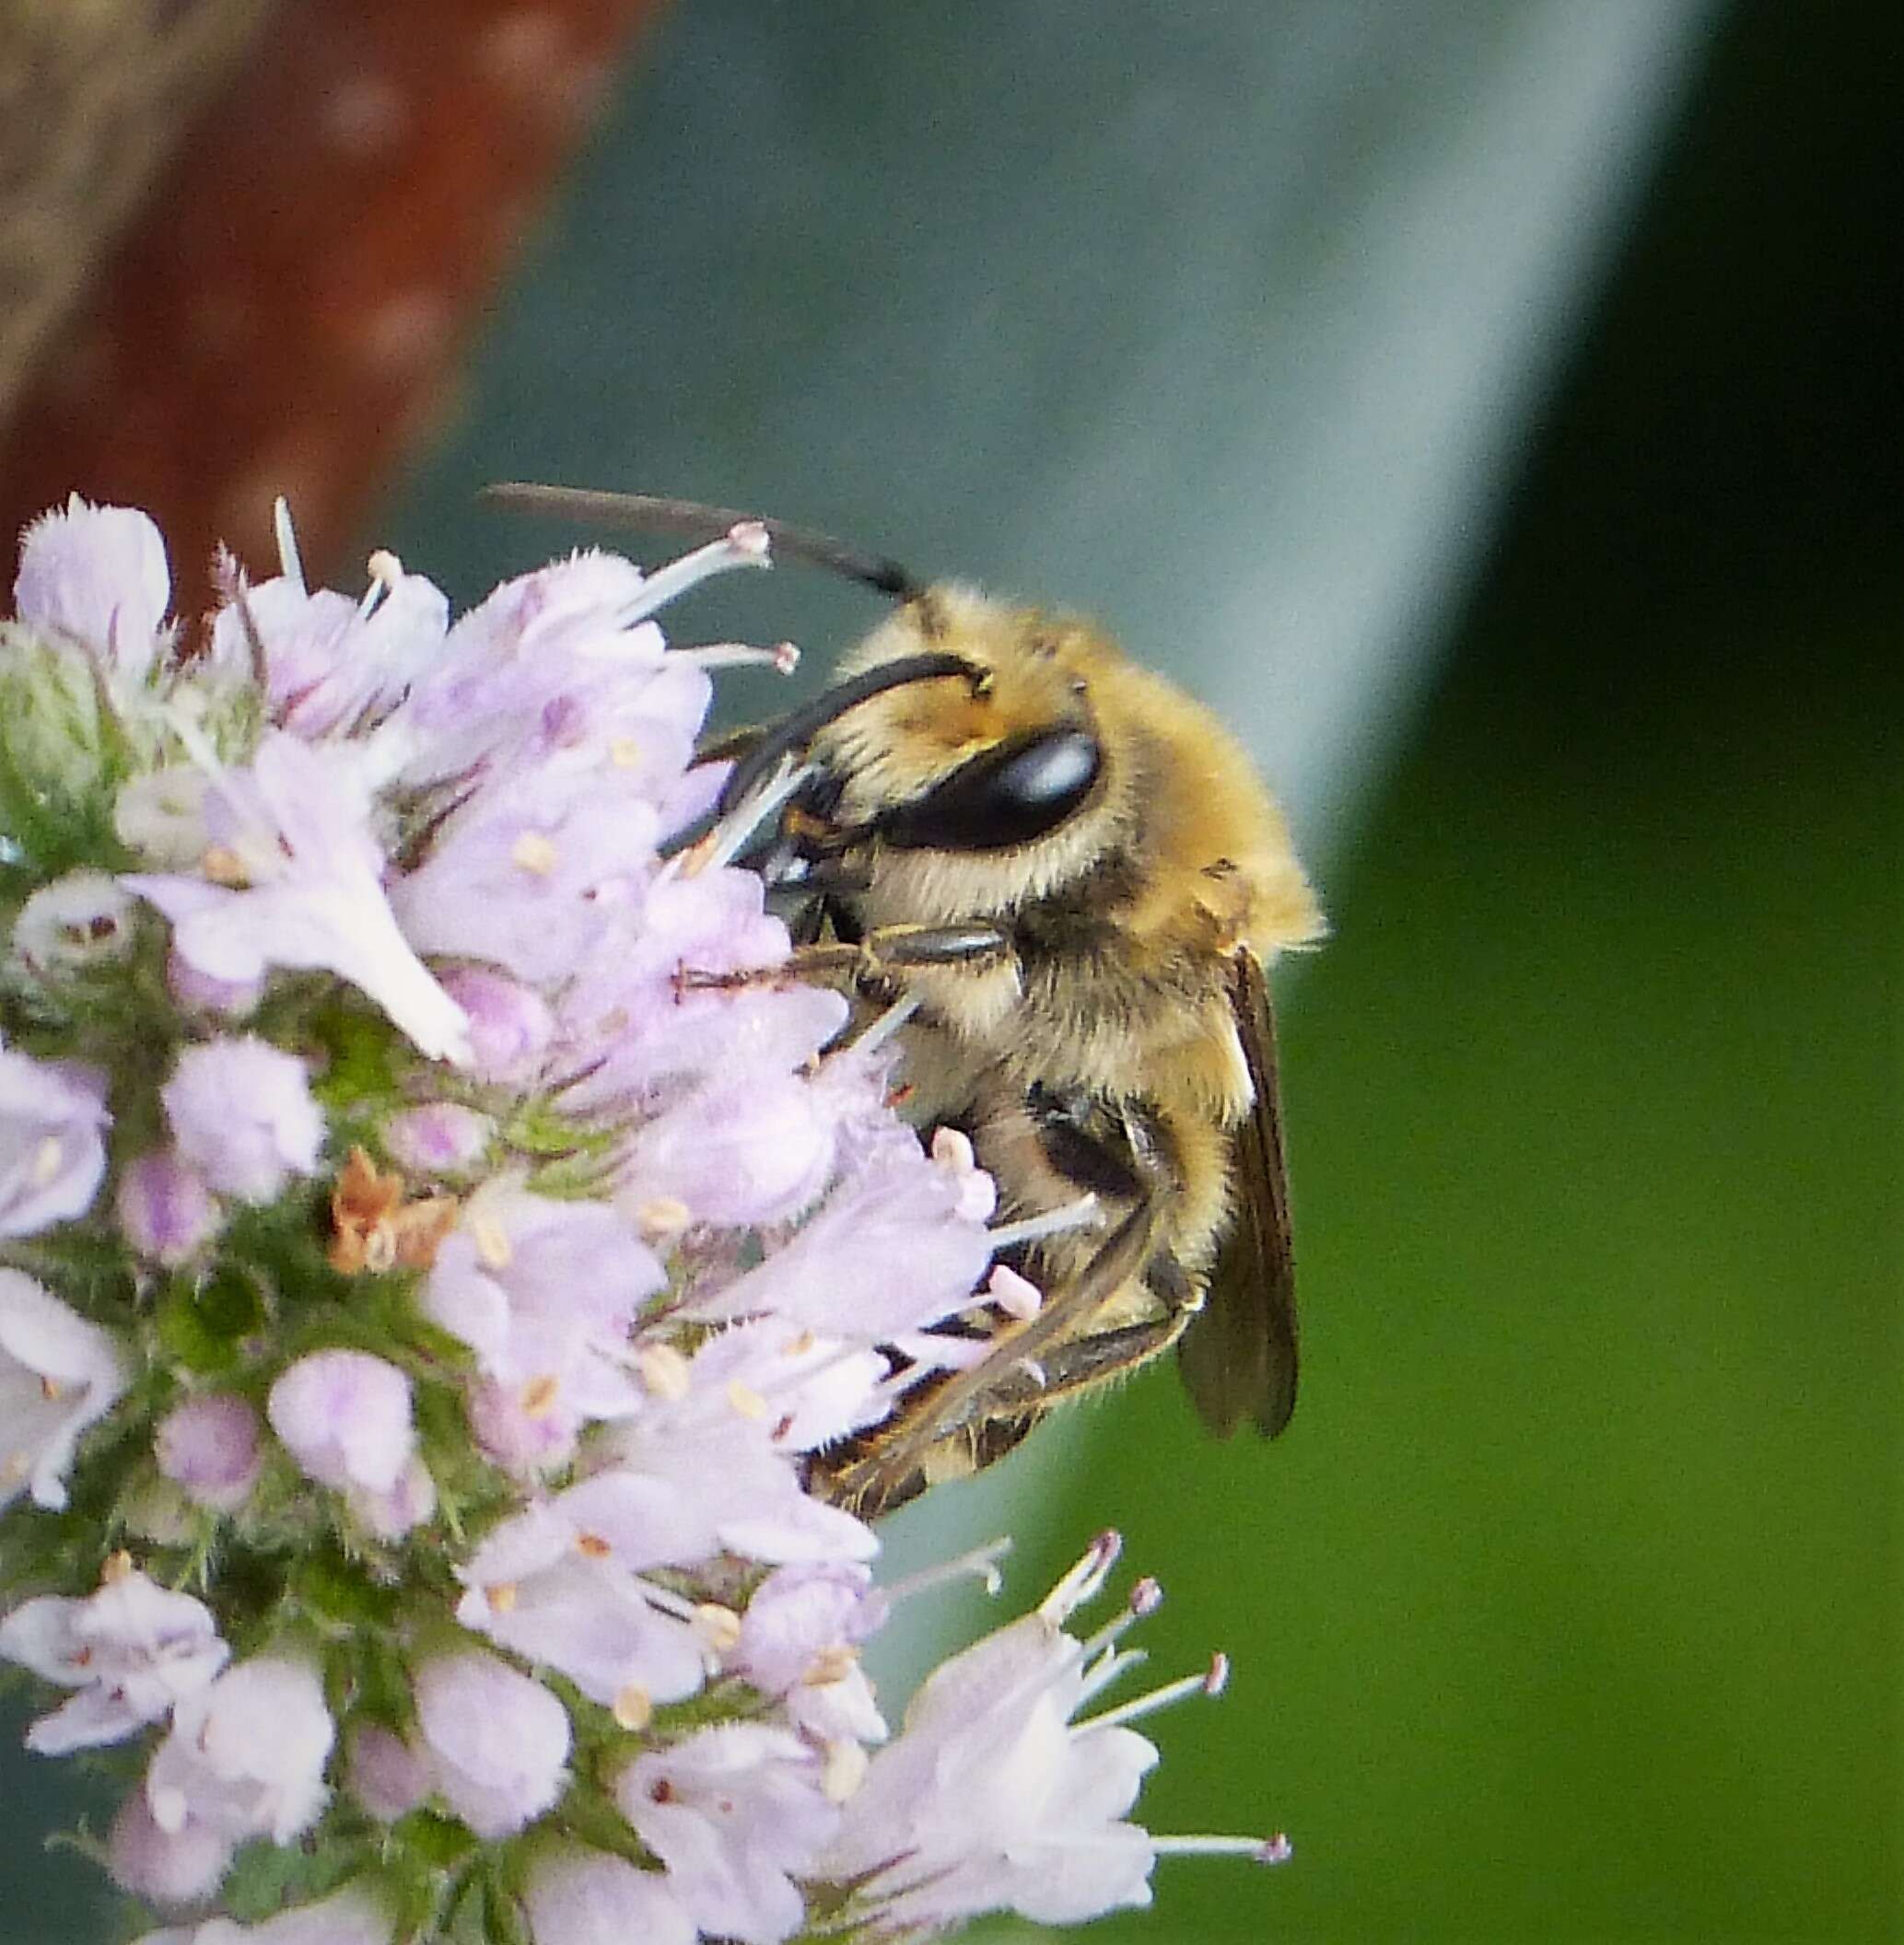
(329, 660)
(131, 1650)
(208, 1446)
(241, 1113)
(165, 1210)
(388, 1776)
(294, 829)
(498, 1740)
(549, 1586)
(899, 1244)
(800, 1641)
(58, 1375)
(693, 1474)
(164, 1866)
(544, 1292)
(75, 924)
(735, 1812)
(99, 575)
(510, 1024)
(992, 1797)
(344, 1417)
(53, 1149)
(246, 1756)
(587, 1897)
(350, 1916)
(440, 1137)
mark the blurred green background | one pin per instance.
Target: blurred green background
(1494, 408)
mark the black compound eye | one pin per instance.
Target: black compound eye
(1012, 795)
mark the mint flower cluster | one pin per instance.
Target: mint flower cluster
(421, 1291)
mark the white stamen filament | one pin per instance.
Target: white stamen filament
(1263, 1851)
(288, 562)
(981, 1561)
(385, 571)
(1083, 1580)
(783, 657)
(1109, 1667)
(1147, 1704)
(745, 546)
(723, 843)
(884, 1027)
(1072, 1215)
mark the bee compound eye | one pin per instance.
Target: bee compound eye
(1017, 792)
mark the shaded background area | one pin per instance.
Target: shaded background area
(1489, 410)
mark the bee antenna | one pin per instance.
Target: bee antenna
(694, 520)
(795, 731)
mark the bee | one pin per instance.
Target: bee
(1071, 870)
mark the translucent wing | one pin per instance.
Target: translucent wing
(1239, 1356)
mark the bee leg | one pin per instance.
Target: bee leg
(885, 951)
(898, 1463)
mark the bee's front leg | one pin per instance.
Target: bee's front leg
(883, 953)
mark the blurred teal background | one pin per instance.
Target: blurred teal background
(1493, 407)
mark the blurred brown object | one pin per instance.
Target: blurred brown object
(94, 96)
(282, 311)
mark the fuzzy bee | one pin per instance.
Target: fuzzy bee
(1073, 872)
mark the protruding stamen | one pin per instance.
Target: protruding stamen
(385, 571)
(1259, 1850)
(1084, 1580)
(726, 840)
(1145, 1597)
(288, 562)
(745, 546)
(633, 1706)
(1160, 1697)
(982, 1561)
(886, 1025)
(1054, 1222)
(783, 657)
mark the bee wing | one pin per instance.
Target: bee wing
(1239, 1356)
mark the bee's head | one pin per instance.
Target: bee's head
(1002, 763)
